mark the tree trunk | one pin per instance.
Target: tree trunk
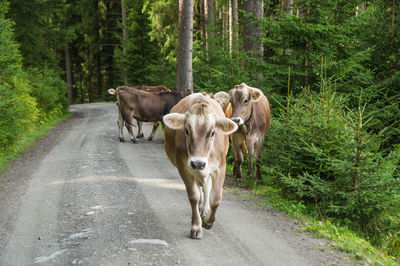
(68, 74)
(235, 22)
(306, 47)
(251, 32)
(124, 38)
(392, 40)
(230, 30)
(209, 23)
(184, 74)
(289, 7)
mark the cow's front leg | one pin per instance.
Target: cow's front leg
(196, 232)
(140, 130)
(205, 210)
(155, 126)
(215, 196)
(259, 146)
(238, 159)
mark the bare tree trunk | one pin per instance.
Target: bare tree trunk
(305, 59)
(184, 73)
(209, 22)
(225, 26)
(289, 7)
(230, 29)
(392, 40)
(235, 19)
(124, 37)
(251, 32)
(68, 74)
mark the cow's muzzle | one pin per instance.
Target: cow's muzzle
(197, 165)
(238, 120)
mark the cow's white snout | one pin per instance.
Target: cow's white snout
(197, 163)
(238, 120)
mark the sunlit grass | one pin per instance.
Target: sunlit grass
(308, 216)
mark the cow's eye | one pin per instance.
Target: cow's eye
(212, 134)
(246, 101)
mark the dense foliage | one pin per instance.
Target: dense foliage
(30, 93)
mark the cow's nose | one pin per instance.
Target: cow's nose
(198, 165)
(237, 120)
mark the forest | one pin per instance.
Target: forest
(330, 70)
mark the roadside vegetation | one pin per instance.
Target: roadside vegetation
(32, 95)
(330, 70)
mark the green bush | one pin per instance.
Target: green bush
(324, 154)
(17, 107)
(49, 91)
(25, 99)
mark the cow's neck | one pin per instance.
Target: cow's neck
(247, 123)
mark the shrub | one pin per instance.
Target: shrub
(324, 154)
(49, 91)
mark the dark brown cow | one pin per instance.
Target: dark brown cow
(143, 106)
(196, 142)
(249, 108)
(154, 89)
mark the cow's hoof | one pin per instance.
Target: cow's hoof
(134, 141)
(139, 136)
(207, 226)
(121, 140)
(150, 139)
(196, 234)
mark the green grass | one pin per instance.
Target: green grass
(28, 141)
(343, 239)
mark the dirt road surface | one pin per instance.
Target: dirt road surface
(81, 197)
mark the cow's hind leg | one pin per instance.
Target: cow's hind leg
(155, 126)
(128, 125)
(140, 130)
(120, 124)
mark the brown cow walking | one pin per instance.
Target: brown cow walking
(143, 106)
(196, 142)
(249, 108)
(154, 89)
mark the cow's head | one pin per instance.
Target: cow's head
(241, 98)
(200, 126)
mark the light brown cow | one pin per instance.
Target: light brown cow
(143, 106)
(249, 108)
(154, 89)
(196, 142)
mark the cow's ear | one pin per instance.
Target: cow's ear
(226, 125)
(255, 94)
(174, 120)
(111, 91)
(222, 97)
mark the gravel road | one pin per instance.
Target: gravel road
(81, 197)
